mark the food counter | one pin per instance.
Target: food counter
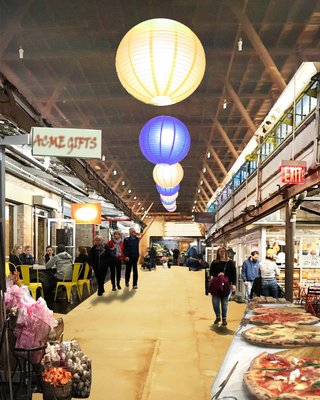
(237, 362)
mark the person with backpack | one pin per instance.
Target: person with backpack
(222, 284)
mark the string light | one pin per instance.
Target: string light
(103, 158)
(135, 198)
(123, 183)
(199, 190)
(204, 170)
(209, 154)
(114, 172)
(224, 106)
(240, 43)
(21, 51)
(129, 191)
(201, 182)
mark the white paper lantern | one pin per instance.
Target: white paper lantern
(160, 61)
(171, 208)
(167, 175)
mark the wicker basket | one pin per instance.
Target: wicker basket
(51, 392)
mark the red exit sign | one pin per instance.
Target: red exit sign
(292, 172)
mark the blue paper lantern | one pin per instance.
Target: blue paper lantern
(164, 140)
(168, 203)
(167, 191)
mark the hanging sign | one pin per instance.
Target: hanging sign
(292, 172)
(86, 213)
(65, 142)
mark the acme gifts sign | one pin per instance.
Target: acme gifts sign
(66, 142)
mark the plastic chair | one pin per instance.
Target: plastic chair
(33, 286)
(313, 300)
(70, 284)
(85, 281)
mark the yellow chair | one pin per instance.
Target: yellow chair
(85, 281)
(33, 286)
(69, 284)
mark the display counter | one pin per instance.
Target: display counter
(237, 362)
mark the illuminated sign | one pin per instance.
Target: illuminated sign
(65, 142)
(292, 172)
(86, 213)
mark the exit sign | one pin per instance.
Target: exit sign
(292, 172)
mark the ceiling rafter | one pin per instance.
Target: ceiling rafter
(260, 48)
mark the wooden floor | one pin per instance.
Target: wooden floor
(153, 343)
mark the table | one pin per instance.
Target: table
(242, 352)
(38, 267)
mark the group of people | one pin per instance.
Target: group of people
(258, 277)
(100, 257)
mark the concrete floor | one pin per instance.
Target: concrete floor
(153, 343)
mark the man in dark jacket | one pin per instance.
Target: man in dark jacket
(131, 253)
(100, 258)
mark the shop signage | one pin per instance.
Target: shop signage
(292, 172)
(204, 217)
(66, 142)
(86, 213)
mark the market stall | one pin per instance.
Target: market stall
(229, 382)
(40, 359)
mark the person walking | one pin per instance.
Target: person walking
(269, 271)
(250, 270)
(100, 258)
(116, 246)
(223, 266)
(131, 253)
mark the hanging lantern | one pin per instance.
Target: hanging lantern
(164, 140)
(169, 198)
(172, 208)
(160, 61)
(167, 191)
(167, 175)
(168, 203)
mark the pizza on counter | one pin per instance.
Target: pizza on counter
(280, 377)
(277, 335)
(284, 317)
(268, 310)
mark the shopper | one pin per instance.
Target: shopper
(250, 270)
(100, 258)
(58, 269)
(49, 254)
(82, 258)
(269, 271)
(131, 253)
(222, 265)
(116, 246)
(27, 258)
(14, 258)
(175, 253)
(153, 258)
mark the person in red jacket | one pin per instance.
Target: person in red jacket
(116, 247)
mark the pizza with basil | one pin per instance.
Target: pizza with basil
(277, 335)
(280, 377)
(284, 317)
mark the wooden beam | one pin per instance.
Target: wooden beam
(204, 193)
(258, 45)
(233, 95)
(225, 137)
(218, 161)
(207, 184)
(212, 175)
